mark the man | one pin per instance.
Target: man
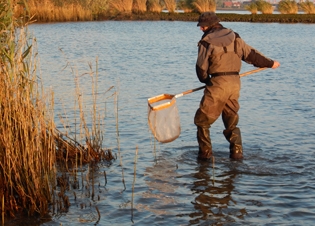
(220, 52)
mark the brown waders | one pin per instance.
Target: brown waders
(219, 98)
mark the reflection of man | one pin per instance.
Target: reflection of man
(161, 180)
(220, 54)
(213, 197)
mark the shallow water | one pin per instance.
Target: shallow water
(273, 185)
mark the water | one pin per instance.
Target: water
(273, 185)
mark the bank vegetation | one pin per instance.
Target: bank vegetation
(38, 162)
(185, 10)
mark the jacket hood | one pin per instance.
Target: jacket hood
(222, 37)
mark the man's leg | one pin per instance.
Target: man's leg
(203, 124)
(211, 106)
(233, 134)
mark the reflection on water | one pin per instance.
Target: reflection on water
(214, 196)
(160, 183)
(274, 184)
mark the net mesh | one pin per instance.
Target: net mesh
(163, 118)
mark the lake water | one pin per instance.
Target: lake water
(273, 185)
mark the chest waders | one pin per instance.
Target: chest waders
(210, 109)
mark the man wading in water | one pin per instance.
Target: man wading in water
(220, 52)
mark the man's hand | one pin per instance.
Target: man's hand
(275, 64)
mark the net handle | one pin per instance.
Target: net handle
(202, 87)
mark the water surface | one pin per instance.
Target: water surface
(273, 185)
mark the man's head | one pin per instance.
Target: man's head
(208, 19)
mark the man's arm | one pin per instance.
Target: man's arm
(202, 63)
(254, 57)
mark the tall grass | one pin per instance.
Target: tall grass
(30, 144)
(123, 6)
(46, 11)
(52, 10)
(264, 7)
(185, 5)
(204, 5)
(288, 7)
(27, 144)
(154, 6)
(308, 7)
(252, 7)
(97, 7)
(170, 5)
(139, 6)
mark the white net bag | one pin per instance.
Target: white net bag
(163, 118)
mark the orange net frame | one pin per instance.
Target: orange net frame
(163, 118)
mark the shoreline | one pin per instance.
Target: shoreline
(224, 17)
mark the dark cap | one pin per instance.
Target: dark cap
(207, 19)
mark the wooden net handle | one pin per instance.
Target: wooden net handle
(202, 87)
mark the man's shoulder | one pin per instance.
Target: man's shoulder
(204, 43)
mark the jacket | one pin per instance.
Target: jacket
(222, 50)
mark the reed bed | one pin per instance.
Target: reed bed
(27, 144)
(48, 11)
(38, 163)
(88, 10)
(124, 6)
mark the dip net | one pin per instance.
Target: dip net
(163, 118)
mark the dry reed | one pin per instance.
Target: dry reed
(71, 151)
(134, 182)
(30, 144)
(47, 11)
(260, 5)
(185, 6)
(139, 6)
(170, 5)
(97, 7)
(27, 144)
(204, 5)
(288, 7)
(154, 6)
(266, 8)
(118, 141)
(252, 7)
(123, 6)
(308, 7)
